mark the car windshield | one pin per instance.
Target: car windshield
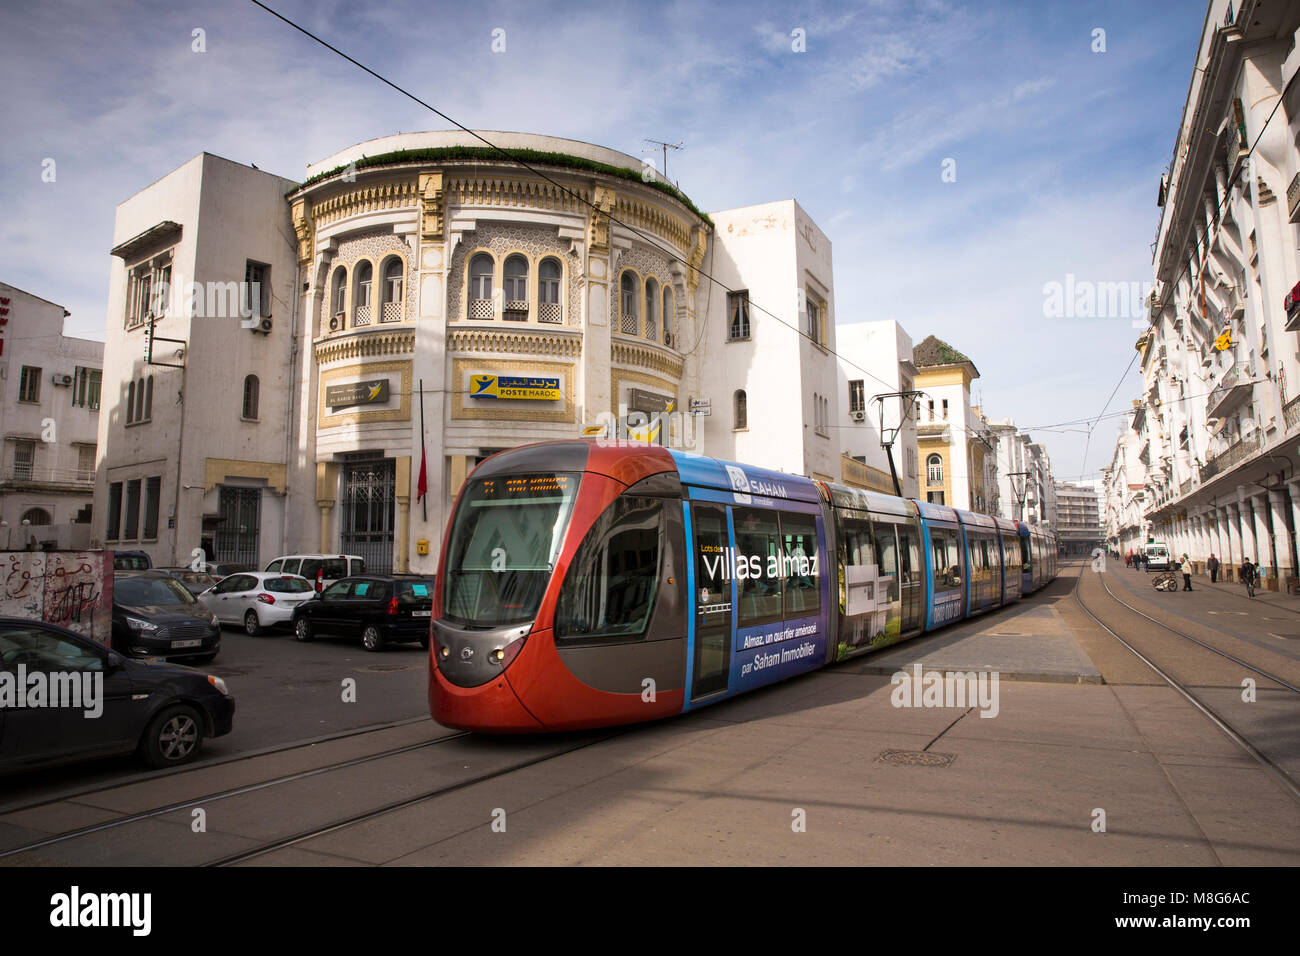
(334, 568)
(130, 562)
(139, 592)
(505, 537)
(287, 585)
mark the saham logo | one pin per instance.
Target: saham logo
(739, 484)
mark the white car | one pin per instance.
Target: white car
(329, 567)
(257, 599)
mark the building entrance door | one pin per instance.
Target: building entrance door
(239, 515)
(369, 507)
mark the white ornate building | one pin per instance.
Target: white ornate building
(426, 278)
(1217, 425)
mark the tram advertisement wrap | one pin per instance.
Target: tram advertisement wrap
(771, 652)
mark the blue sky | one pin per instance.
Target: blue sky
(1057, 149)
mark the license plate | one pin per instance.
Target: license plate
(421, 614)
(178, 644)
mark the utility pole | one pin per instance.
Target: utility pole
(909, 400)
(665, 147)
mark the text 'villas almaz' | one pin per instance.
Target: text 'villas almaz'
(423, 295)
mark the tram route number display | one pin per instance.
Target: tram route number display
(529, 486)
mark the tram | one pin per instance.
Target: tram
(586, 583)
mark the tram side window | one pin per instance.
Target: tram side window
(887, 551)
(758, 571)
(943, 553)
(977, 562)
(800, 565)
(713, 589)
(610, 586)
(1024, 555)
(858, 546)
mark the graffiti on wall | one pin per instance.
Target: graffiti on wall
(73, 589)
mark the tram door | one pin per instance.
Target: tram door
(712, 600)
(911, 574)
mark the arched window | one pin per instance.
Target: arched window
(741, 403)
(934, 470)
(251, 388)
(392, 294)
(130, 402)
(361, 308)
(651, 309)
(139, 400)
(516, 304)
(148, 398)
(631, 318)
(670, 316)
(340, 299)
(480, 286)
(549, 274)
(37, 516)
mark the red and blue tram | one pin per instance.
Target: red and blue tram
(585, 584)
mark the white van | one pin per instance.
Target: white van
(330, 566)
(1157, 556)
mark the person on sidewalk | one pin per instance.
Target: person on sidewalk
(1213, 566)
(1248, 576)
(1187, 573)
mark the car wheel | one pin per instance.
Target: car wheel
(302, 629)
(173, 737)
(371, 639)
(252, 627)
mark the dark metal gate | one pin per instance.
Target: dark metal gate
(239, 522)
(369, 505)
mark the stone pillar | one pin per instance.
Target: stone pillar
(1281, 538)
(402, 492)
(1233, 535)
(1264, 541)
(327, 492)
(1246, 528)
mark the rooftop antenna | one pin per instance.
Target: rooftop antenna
(665, 147)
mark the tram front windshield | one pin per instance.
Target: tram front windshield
(505, 538)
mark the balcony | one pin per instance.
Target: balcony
(1237, 452)
(1234, 388)
(25, 475)
(1293, 199)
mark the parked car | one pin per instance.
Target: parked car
(257, 600)
(225, 569)
(131, 561)
(154, 616)
(378, 609)
(330, 567)
(163, 712)
(196, 582)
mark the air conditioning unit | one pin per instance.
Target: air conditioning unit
(668, 339)
(62, 379)
(858, 416)
(263, 326)
(334, 324)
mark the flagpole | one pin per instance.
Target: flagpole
(424, 499)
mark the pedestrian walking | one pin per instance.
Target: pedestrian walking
(1128, 560)
(1213, 566)
(1187, 573)
(1146, 562)
(1248, 576)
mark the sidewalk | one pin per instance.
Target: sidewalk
(1278, 599)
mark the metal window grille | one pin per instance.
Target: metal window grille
(392, 312)
(239, 512)
(480, 309)
(551, 312)
(369, 507)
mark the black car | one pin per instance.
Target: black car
(155, 616)
(131, 561)
(98, 703)
(196, 582)
(380, 609)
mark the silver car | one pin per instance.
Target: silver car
(257, 599)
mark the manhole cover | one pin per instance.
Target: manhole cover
(916, 758)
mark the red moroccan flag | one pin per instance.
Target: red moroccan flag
(422, 486)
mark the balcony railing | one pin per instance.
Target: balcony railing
(1291, 413)
(1232, 389)
(1238, 451)
(29, 474)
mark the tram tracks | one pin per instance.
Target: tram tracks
(1204, 658)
